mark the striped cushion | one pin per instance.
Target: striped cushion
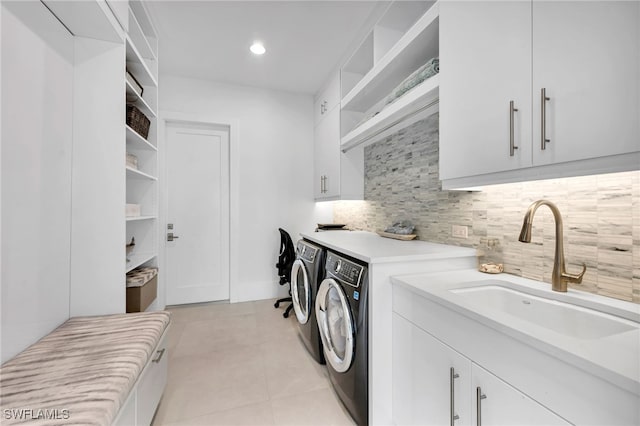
(82, 372)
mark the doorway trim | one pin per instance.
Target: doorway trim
(231, 125)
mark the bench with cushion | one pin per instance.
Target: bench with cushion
(98, 370)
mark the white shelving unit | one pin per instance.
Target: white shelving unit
(140, 259)
(142, 182)
(135, 141)
(137, 174)
(414, 106)
(404, 39)
(138, 101)
(138, 218)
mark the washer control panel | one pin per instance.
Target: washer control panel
(306, 252)
(345, 270)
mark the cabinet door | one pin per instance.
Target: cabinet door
(327, 156)
(422, 381)
(327, 99)
(318, 161)
(500, 404)
(152, 383)
(485, 61)
(587, 56)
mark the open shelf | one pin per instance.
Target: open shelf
(135, 141)
(139, 39)
(140, 218)
(136, 260)
(138, 101)
(138, 66)
(148, 29)
(418, 103)
(137, 174)
(357, 66)
(413, 49)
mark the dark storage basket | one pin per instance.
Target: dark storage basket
(138, 121)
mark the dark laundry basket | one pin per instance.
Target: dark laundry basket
(138, 121)
(285, 262)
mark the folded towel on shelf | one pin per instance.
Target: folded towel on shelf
(429, 69)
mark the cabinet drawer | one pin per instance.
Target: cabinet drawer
(127, 414)
(327, 99)
(152, 383)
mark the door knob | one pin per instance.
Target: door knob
(171, 237)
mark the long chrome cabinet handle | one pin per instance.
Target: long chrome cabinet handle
(512, 144)
(479, 397)
(452, 376)
(543, 121)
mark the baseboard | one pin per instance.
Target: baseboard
(246, 292)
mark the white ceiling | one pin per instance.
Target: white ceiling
(305, 40)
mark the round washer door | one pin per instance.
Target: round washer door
(300, 291)
(335, 323)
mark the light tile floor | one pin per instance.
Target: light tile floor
(243, 364)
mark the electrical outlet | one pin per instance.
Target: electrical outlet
(459, 231)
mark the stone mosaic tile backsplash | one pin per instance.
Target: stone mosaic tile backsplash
(601, 213)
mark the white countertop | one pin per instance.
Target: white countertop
(615, 358)
(372, 248)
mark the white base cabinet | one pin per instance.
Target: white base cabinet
(434, 384)
(430, 380)
(522, 383)
(144, 398)
(495, 402)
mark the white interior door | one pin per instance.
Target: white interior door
(197, 180)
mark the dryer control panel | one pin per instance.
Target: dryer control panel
(345, 270)
(306, 252)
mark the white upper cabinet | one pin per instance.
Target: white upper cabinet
(120, 9)
(586, 57)
(337, 175)
(328, 99)
(90, 18)
(486, 66)
(327, 156)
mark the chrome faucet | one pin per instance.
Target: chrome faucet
(559, 277)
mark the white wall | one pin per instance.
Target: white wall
(271, 171)
(37, 79)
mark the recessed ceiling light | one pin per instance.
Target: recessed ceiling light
(257, 48)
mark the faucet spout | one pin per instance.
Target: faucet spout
(559, 277)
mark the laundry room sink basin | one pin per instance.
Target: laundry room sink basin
(566, 317)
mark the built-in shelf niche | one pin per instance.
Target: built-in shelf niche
(403, 40)
(395, 22)
(143, 192)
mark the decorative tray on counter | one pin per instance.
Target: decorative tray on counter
(403, 237)
(331, 225)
